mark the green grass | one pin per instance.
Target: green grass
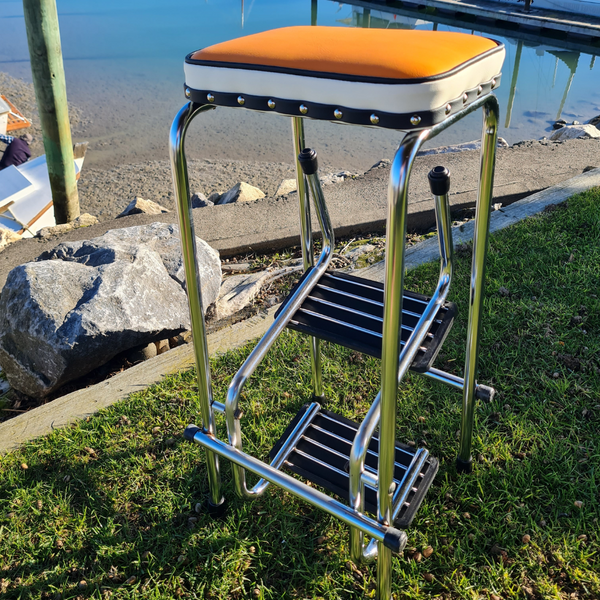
(111, 501)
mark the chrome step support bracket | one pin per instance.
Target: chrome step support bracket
(232, 414)
(306, 242)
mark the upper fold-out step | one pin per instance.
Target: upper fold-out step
(386, 78)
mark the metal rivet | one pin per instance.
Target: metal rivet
(271, 104)
(241, 100)
(338, 114)
(479, 90)
(303, 109)
(374, 119)
(493, 83)
(210, 97)
(465, 98)
(448, 109)
(188, 93)
(415, 120)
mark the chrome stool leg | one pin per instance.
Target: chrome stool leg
(306, 240)
(188, 245)
(480, 238)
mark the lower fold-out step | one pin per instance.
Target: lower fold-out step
(322, 456)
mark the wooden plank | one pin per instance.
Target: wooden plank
(16, 120)
(83, 403)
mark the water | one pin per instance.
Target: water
(123, 62)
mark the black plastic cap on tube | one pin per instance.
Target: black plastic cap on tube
(439, 181)
(190, 432)
(308, 161)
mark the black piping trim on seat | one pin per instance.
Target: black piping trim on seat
(325, 112)
(341, 76)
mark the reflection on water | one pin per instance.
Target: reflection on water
(123, 62)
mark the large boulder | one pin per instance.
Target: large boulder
(82, 303)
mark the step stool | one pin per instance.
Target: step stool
(420, 82)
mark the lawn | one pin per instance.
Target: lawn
(113, 506)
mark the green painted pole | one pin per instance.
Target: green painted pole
(43, 37)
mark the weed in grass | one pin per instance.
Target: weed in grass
(117, 501)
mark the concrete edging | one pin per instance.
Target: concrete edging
(83, 403)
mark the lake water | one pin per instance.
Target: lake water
(123, 62)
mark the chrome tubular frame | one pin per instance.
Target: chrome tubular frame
(489, 138)
(188, 245)
(306, 241)
(395, 361)
(235, 387)
(394, 364)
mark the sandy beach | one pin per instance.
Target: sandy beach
(106, 188)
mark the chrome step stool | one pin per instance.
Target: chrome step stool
(420, 82)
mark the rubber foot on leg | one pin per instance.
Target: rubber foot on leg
(464, 466)
(216, 511)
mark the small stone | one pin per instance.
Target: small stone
(582, 537)
(555, 375)
(198, 507)
(131, 580)
(162, 346)
(214, 198)
(466, 515)
(428, 551)
(494, 597)
(256, 592)
(559, 124)
(141, 353)
(411, 444)
(146, 555)
(182, 559)
(82, 585)
(10, 515)
(542, 522)
(421, 419)
(193, 520)
(67, 478)
(170, 441)
(252, 550)
(471, 536)
(503, 291)
(39, 504)
(417, 557)
(199, 200)
(155, 430)
(140, 206)
(526, 538)
(578, 504)
(428, 577)
(91, 452)
(24, 466)
(321, 540)
(241, 192)
(285, 187)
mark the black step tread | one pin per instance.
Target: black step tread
(348, 311)
(322, 456)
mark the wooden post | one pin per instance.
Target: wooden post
(43, 37)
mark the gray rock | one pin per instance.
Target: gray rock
(595, 121)
(84, 220)
(570, 132)
(559, 124)
(241, 192)
(285, 187)
(140, 206)
(199, 200)
(83, 303)
(214, 198)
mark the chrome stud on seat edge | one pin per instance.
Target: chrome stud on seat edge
(271, 103)
(303, 109)
(188, 92)
(415, 120)
(241, 100)
(374, 119)
(210, 97)
(338, 114)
